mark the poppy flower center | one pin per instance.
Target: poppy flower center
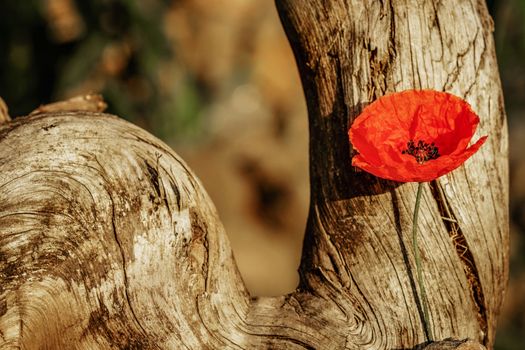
(422, 151)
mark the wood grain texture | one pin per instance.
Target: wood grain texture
(106, 233)
(348, 54)
(108, 240)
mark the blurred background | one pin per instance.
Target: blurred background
(217, 81)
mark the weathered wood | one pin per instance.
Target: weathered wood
(451, 344)
(348, 54)
(108, 241)
(88, 103)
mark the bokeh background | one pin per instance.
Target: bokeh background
(216, 80)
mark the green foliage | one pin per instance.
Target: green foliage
(37, 68)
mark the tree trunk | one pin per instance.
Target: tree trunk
(108, 241)
(358, 237)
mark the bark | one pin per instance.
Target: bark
(108, 240)
(348, 54)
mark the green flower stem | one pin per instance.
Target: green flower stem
(418, 264)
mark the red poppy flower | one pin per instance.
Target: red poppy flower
(414, 135)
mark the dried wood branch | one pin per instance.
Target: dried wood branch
(108, 240)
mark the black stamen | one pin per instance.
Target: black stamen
(422, 152)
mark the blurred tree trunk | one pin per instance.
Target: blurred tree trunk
(108, 241)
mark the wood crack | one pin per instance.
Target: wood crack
(103, 174)
(464, 254)
(121, 250)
